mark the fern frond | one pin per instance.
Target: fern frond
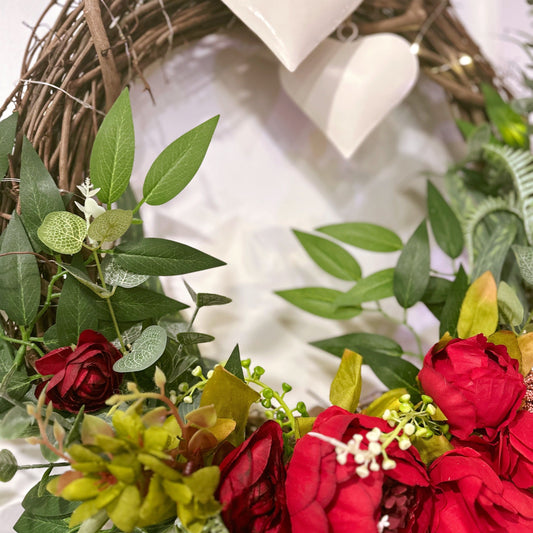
(519, 165)
(489, 205)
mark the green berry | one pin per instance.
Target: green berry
(268, 393)
(286, 387)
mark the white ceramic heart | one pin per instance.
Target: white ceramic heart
(347, 88)
(292, 28)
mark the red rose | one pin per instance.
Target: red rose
(84, 376)
(475, 383)
(324, 495)
(469, 497)
(252, 484)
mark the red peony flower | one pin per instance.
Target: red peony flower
(252, 484)
(469, 497)
(84, 376)
(475, 383)
(325, 496)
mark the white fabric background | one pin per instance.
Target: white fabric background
(269, 170)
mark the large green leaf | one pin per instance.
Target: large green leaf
(20, 281)
(177, 164)
(145, 351)
(524, 258)
(375, 287)
(366, 236)
(8, 129)
(452, 307)
(39, 194)
(47, 505)
(510, 309)
(19, 382)
(76, 310)
(319, 301)
(29, 523)
(63, 232)
(113, 151)
(436, 294)
(136, 304)
(412, 271)
(329, 256)
(16, 423)
(444, 223)
(366, 344)
(161, 257)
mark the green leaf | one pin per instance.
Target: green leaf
(20, 280)
(479, 137)
(177, 164)
(452, 307)
(8, 130)
(39, 194)
(63, 232)
(524, 258)
(113, 151)
(436, 294)
(76, 310)
(145, 351)
(329, 256)
(47, 505)
(444, 223)
(116, 276)
(366, 236)
(136, 304)
(319, 301)
(110, 226)
(129, 201)
(345, 388)
(394, 373)
(192, 337)
(494, 252)
(15, 423)
(84, 279)
(161, 257)
(8, 466)
(51, 338)
(512, 127)
(510, 308)
(29, 523)
(233, 364)
(366, 344)
(18, 382)
(375, 287)
(412, 271)
(204, 299)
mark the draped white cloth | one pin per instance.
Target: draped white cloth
(269, 170)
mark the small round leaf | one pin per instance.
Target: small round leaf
(63, 232)
(110, 226)
(8, 465)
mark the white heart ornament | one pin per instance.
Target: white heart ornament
(347, 88)
(292, 28)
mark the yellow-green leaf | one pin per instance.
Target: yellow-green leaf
(525, 342)
(110, 226)
(346, 386)
(510, 341)
(232, 399)
(304, 424)
(430, 449)
(388, 400)
(479, 311)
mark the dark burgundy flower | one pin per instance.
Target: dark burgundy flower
(469, 497)
(324, 496)
(252, 484)
(475, 383)
(83, 376)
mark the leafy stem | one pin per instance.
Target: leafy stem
(29, 343)
(50, 293)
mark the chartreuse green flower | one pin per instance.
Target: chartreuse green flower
(132, 470)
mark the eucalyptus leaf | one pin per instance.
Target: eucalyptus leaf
(116, 276)
(63, 232)
(364, 235)
(452, 307)
(192, 337)
(145, 351)
(375, 287)
(110, 226)
(510, 307)
(319, 301)
(366, 344)
(8, 465)
(329, 256)
(39, 194)
(444, 223)
(411, 275)
(20, 280)
(8, 129)
(233, 364)
(524, 258)
(161, 257)
(113, 151)
(177, 164)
